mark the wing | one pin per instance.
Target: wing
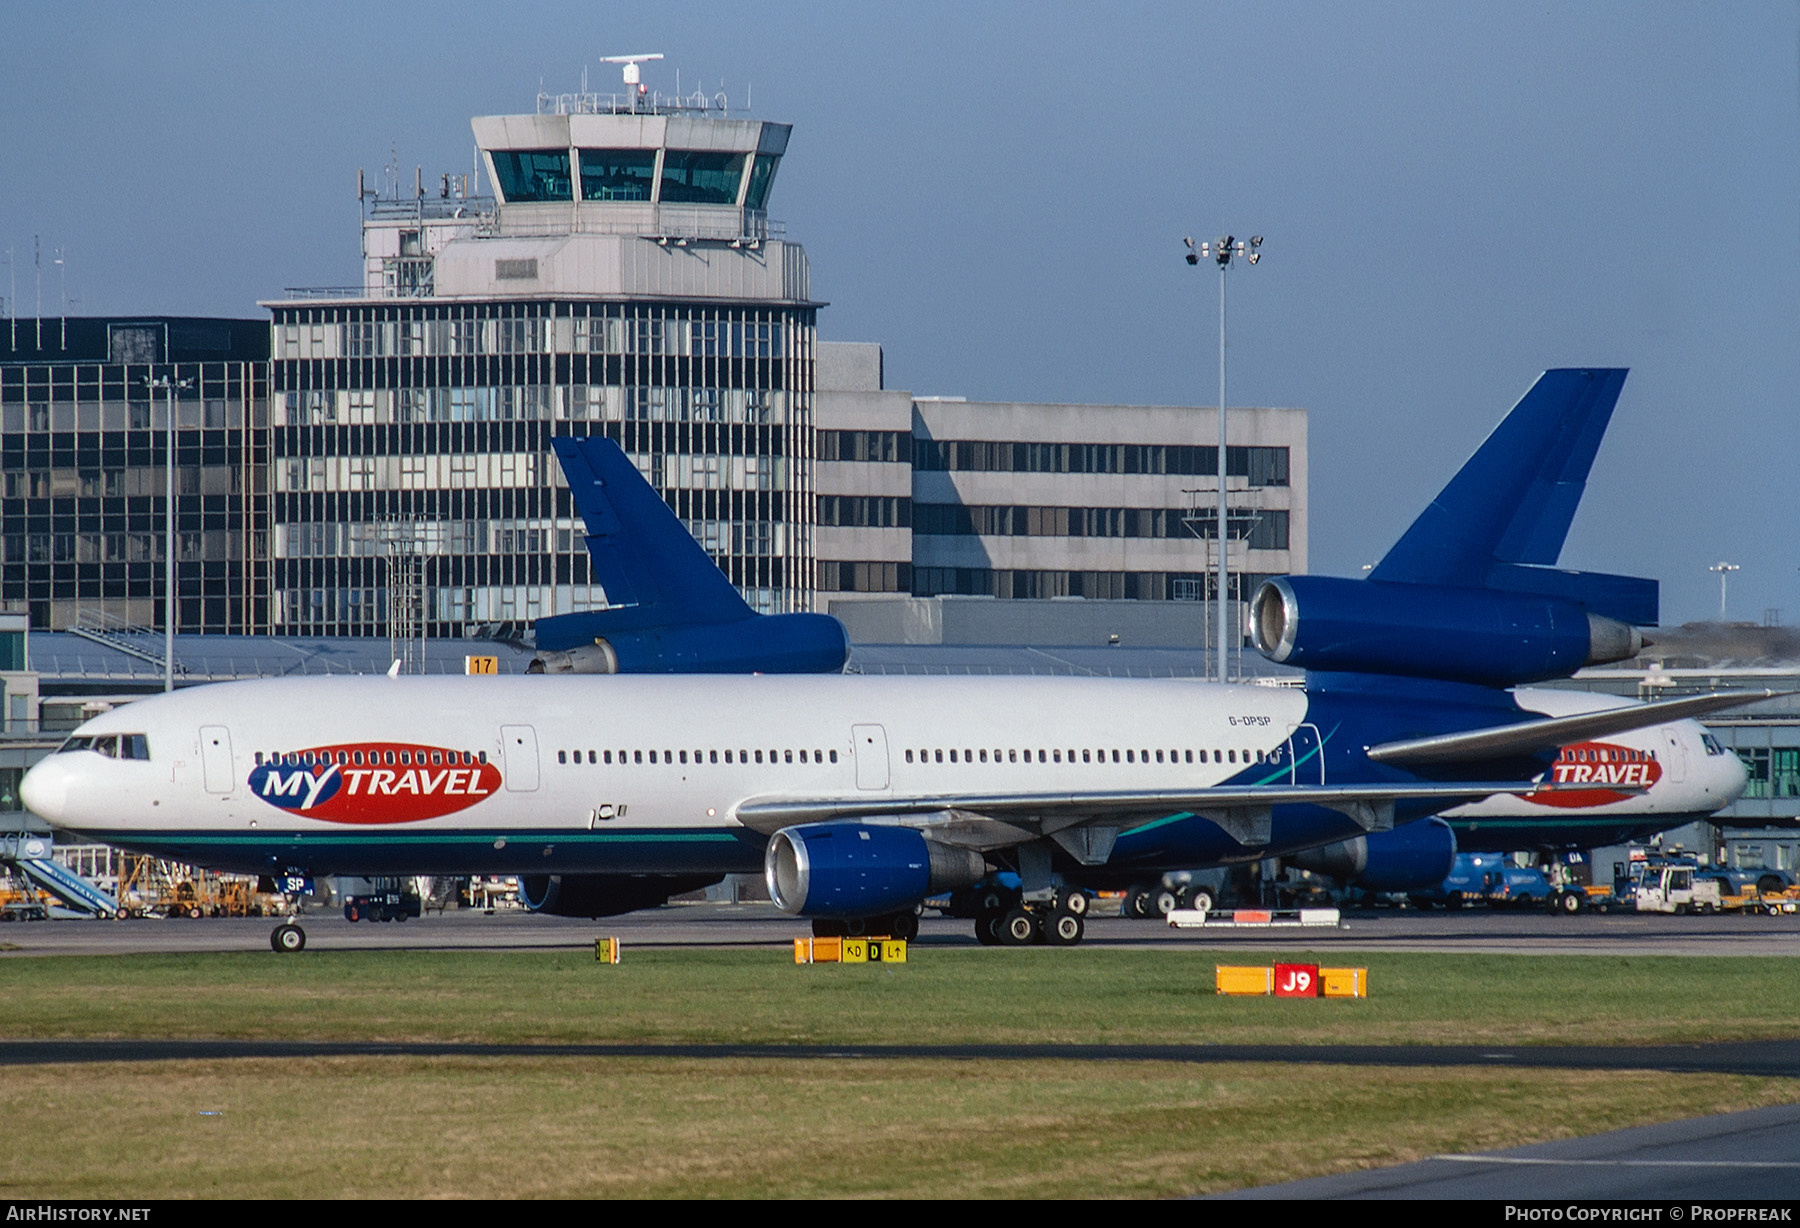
(1087, 824)
(1527, 736)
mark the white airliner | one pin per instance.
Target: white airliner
(665, 777)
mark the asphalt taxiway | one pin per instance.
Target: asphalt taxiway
(1733, 1158)
(762, 925)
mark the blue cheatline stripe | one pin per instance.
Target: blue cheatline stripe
(1270, 779)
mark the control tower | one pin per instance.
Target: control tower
(623, 277)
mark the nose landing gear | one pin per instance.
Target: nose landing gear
(288, 938)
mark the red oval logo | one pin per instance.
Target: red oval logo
(374, 782)
(1601, 764)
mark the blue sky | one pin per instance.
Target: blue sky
(1455, 196)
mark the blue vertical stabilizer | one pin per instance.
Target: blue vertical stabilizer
(1501, 522)
(669, 607)
(643, 555)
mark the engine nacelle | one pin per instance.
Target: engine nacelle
(1411, 857)
(1468, 635)
(763, 644)
(604, 895)
(861, 869)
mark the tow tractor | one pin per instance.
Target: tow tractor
(1676, 889)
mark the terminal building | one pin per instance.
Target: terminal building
(943, 496)
(84, 433)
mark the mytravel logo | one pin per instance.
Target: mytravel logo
(1600, 764)
(374, 782)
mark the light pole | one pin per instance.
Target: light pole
(1723, 570)
(1223, 252)
(168, 385)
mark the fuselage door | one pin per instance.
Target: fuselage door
(871, 756)
(215, 758)
(1306, 755)
(1673, 755)
(518, 746)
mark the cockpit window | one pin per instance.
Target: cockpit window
(112, 745)
(1712, 744)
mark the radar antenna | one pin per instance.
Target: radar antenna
(633, 77)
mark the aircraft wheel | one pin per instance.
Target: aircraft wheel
(1137, 903)
(1163, 902)
(1074, 903)
(1569, 903)
(1017, 928)
(288, 939)
(987, 929)
(904, 926)
(1199, 898)
(1063, 929)
(827, 927)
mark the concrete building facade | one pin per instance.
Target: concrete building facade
(941, 496)
(84, 413)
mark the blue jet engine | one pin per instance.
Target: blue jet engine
(861, 869)
(1421, 630)
(604, 895)
(1411, 857)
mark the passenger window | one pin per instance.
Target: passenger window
(984, 754)
(637, 756)
(953, 754)
(1012, 756)
(834, 756)
(683, 755)
(562, 756)
(712, 756)
(1056, 755)
(787, 756)
(1087, 756)
(939, 754)
(759, 756)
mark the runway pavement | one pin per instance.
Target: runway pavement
(761, 925)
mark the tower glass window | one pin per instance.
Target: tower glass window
(701, 177)
(530, 175)
(618, 174)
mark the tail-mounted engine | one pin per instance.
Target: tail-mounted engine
(1467, 635)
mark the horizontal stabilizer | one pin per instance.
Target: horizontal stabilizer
(1508, 741)
(1514, 499)
(1630, 599)
(643, 555)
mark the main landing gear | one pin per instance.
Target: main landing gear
(1007, 920)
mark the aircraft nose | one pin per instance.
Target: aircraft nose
(45, 790)
(1734, 776)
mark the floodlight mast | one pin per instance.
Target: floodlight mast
(1224, 251)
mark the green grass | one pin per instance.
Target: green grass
(571, 1127)
(583, 1126)
(1084, 995)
